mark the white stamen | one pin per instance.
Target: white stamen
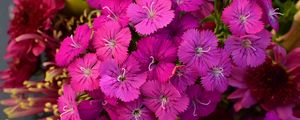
(203, 103)
(199, 50)
(150, 10)
(151, 63)
(218, 71)
(195, 108)
(164, 101)
(110, 43)
(122, 76)
(66, 111)
(115, 17)
(74, 44)
(85, 71)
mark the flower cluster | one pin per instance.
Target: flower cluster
(158, 59)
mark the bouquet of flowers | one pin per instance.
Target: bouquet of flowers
(153, 59)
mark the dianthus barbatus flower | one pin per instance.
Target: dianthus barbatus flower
(270, 15)
(243, 17)
(157, 56)
(188, 5)
(198, 49)
(248, 50)
(84, 73)
(89, 109)
(24, 21)
(113, 10)
(112, 41)
(164, 99)
(216, 76)
(74, 45)
(67, 105)
(122, 81)
(272, 84)
(135, 110)
(183, 76)
(150, 15)
(202, 102)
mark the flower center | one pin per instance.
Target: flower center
(150, 10)
(246, 43)
(271, 85)
(86, 71)
(163, 101)
(199, 51)
(244, 18)
(152, 64)
(218, 71)
(137, 113)
(122, 77)
(110, 43)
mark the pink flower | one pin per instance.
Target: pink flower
(122, 81)
(150, 15)
(157, 56)
(112, 41)
(188, 5)
(270, 15)
(164, 99)
(113, 11)
(202, 103)
(67, 105)
(248, 50)
(198, 49)
(183, 76)
(216, 76)
(135, 110)
(73, 46)
(84, 73)
(243, 17)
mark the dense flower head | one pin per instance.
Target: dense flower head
(164, 99)
(122, 80)
(150, 15)
(243, 16)
(84, 73)
(198, 48)
(72, 46)
(157, 56)
(111, 41)
(248, 50)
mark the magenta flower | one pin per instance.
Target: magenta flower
(243, 17)
(157, 56)
(164, 99)
(216, 76)
(84, 73)
(270, 15)
(94, 4)
(112, 41)
(122, 81)
(183, 76)
(113, 10)
(248, 50)
(89, 109)
(202, 103)
(150, 15)
(188, 5)
(282, 113)
(204, 10)
(73, 46)
(198, 49)
(67, 105)
(135, 110)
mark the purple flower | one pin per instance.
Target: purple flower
(164, 99)
(67, 105)
(243, 17)
(198, 49)
(188, 5)
(270, 15)
(135, 110)
(73, 46)
(113, 10)
(157, 56)
(202, 103)
(216, 76)
(150, 15)
(112, 41)
(183, 76)
(84, 73)
(248, 50)
(122, 81)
